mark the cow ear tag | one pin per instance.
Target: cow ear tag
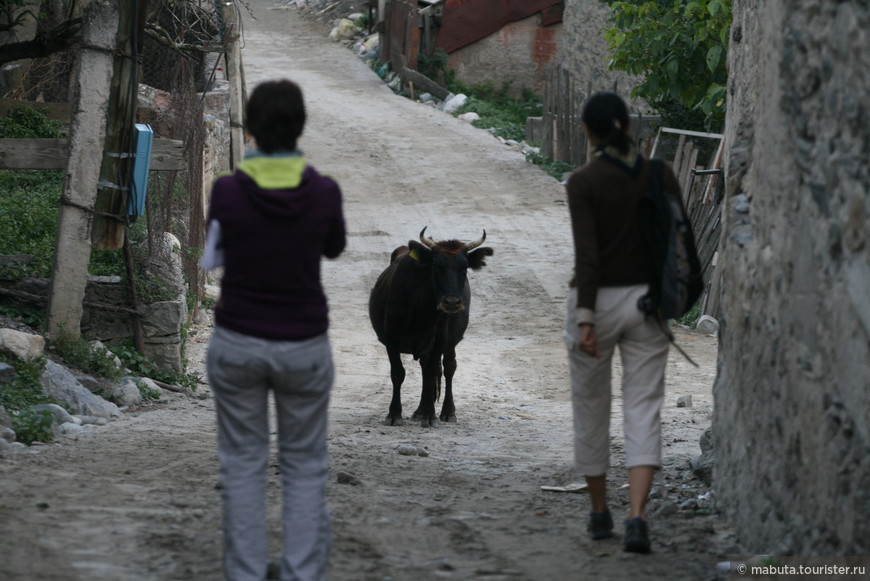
(415, 255)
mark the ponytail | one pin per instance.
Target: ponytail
(606, 115)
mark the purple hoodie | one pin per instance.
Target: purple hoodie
(277, 217)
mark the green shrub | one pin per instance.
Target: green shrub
(435, 66)
(33, 317)
(26, 389)
(363, 22)
(148, 393)
(29, 122)
(690, 319)
(32, 426)
(78, 353)
(144, 366)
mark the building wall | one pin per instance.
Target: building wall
(792, 394)
(518, 55)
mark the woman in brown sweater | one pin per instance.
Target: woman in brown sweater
(611, 272)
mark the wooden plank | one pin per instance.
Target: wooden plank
(717, 164)
(166, 154)
(686, 179)
(235, 77)
(422, 82)
(678, 158)
(34, 153)
(691, 133)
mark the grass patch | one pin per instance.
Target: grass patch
(28, 219)
(554, 169)
(504, 116)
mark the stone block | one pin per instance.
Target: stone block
(25, 346)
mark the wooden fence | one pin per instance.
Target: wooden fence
(562, 134)
(695, 157)
(95, 117)
(702, 187)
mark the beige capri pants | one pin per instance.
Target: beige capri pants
(643, 348)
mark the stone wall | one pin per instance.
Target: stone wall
(162, 322)
(792, 413)
(584, 51)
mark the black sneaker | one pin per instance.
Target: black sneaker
(600, 525)
(636, 536)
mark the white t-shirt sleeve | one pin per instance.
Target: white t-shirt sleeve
(213, 257)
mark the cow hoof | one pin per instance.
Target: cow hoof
(429, 423)
(391, 421)
(448, 419)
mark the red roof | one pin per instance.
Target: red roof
(467, 21)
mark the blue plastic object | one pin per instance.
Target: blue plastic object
(143, 138)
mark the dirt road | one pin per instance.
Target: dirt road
(136, 501)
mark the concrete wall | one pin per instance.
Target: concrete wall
(792, 413)
(518, 54)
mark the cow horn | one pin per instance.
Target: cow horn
(472, 245)
(425, 239)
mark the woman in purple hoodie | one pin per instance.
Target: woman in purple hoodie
(269, 224)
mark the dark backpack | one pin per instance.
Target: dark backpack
(677, 281)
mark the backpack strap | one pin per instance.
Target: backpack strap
(655, 171)
(657, 188)
(673, 341)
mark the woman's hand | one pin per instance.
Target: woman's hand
(589, 340)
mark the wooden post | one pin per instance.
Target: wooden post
(88, 131)
(109, 223)
(235, 78)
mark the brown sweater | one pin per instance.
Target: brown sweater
(603, 198)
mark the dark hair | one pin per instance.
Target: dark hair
(276, 115)
(606, 115)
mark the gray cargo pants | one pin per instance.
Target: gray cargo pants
(242, 370)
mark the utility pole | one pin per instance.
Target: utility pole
(93, 206)
(87, 137)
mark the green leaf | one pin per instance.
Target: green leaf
(714, 53)
(673, 69)
(714, 7)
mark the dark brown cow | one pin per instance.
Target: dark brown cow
(420, 305)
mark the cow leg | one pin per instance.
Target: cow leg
(397, 375)
(448, 410)
(430, 365)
